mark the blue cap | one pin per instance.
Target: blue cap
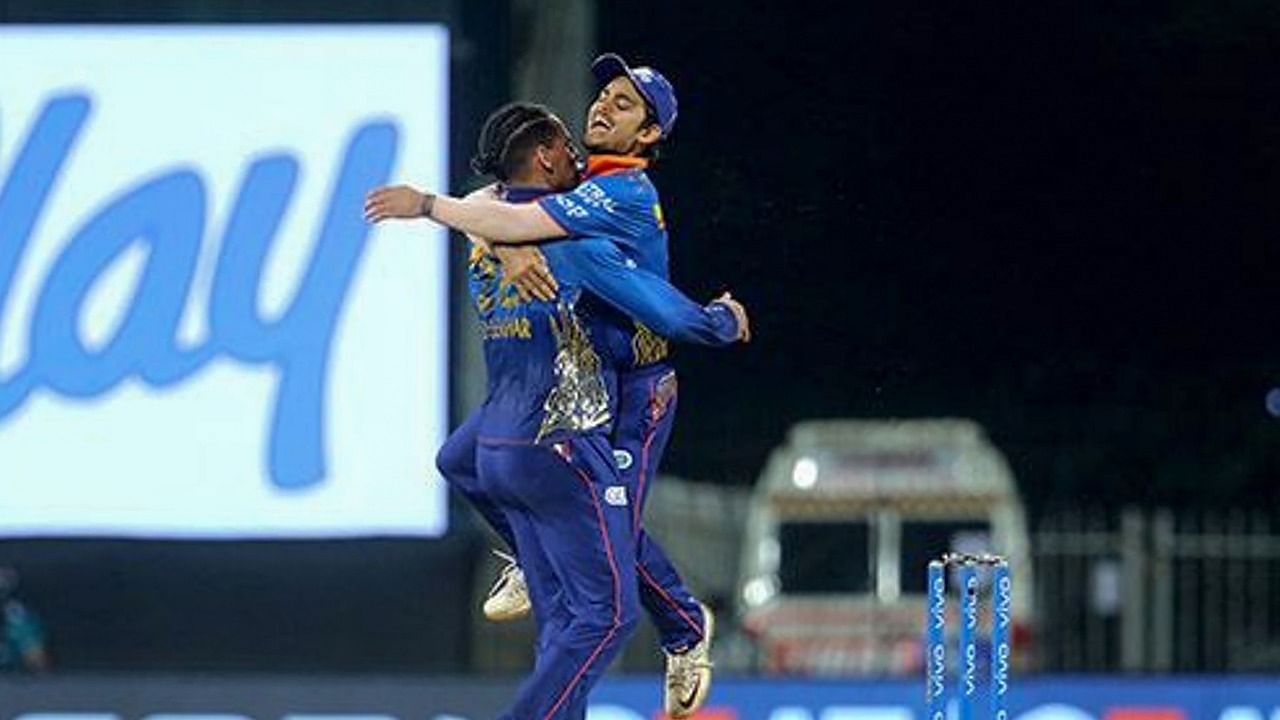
(657, 92)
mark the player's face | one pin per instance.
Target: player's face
(562, 164)
(617, 120)
(559, 160)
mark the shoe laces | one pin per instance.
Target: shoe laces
(686, 665)
(512, 568)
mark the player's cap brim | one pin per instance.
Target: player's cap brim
(609, 66)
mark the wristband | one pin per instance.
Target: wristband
(428, 202)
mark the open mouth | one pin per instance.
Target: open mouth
(600, 123)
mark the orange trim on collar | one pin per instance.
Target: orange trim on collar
(605, 164)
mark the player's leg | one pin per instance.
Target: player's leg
(679, 617)
(646, 416)
(646, 412)
(577, 505)
(456, 460)
(549, 614)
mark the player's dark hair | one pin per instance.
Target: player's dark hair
(509, 135)
(651, 152)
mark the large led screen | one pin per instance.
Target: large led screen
(199, 335)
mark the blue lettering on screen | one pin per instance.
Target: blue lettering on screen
(167, 213)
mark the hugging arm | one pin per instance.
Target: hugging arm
(605, 272)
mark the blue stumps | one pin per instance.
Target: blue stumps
(935, 651)
(969, 570)
(1001, 652)
(967, 678)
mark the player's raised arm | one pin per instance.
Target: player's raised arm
(491, 219)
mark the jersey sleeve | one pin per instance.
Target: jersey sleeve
(612, 206)
(602, 269)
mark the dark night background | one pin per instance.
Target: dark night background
(1057, 219)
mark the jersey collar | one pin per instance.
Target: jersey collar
(606, 164)
(523, 193)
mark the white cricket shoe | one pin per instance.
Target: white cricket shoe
(689, 673)
(509, 598)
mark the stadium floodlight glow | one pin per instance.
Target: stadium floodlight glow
(759, 590)
(805, 473)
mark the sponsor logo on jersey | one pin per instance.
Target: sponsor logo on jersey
(616, 495)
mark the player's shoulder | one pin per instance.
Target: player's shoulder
(638, 181)
(632, 184)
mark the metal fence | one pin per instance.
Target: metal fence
(1131, 591)
(1158, 591)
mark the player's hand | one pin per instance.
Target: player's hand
(393, 201)
(526, 268)
(739, 313)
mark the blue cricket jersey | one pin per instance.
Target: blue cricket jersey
(616, 200)
(552, 366)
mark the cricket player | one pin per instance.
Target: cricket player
(634, 110)
(516, 490)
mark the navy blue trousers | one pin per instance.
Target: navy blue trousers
(645, 417)
(568, 511)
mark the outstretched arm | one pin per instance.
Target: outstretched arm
(523, 266)
(485, 217)
(644, 296)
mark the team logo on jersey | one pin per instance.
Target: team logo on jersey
(580, 399)
(663, 394)
(616, 495)
(647, 347)
(623, 459)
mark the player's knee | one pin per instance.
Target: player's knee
(628, 621)
(628, 614)
(456, 462)
(613, 621)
